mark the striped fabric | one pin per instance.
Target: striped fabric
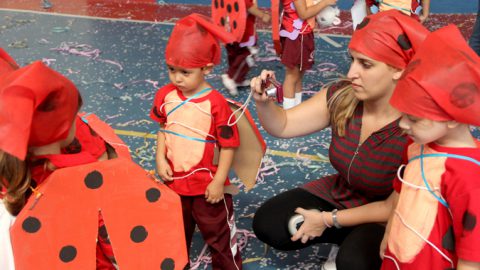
(366, 171)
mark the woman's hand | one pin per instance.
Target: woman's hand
(257, 86)
(164, 170)
(313, 225)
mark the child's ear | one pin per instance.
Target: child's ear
(208, 68)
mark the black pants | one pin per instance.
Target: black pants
(359, 246)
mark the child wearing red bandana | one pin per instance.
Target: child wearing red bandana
(435, 222)
(195, 120)
(241, 54)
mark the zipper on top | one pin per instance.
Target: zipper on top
(351, 162)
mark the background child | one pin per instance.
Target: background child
(298, 45)
(195, 120)
(435, 223)
(241, 54)
(419, 9)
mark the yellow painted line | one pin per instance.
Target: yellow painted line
(135, 134)
(269, 151)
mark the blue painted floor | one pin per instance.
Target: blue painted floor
(119, 86)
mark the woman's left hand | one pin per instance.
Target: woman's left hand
(313, 225)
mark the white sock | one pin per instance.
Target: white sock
(298, 98)
(288, 103)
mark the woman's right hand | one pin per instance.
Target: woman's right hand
(313, 225)
(164, 170)
(257, 85)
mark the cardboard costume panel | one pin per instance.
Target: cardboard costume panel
(230, 14)
(58, 229)
(106, 133)
(248, 156)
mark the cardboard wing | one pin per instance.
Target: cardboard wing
(58, 229)
(231, 15)
(106, 133)
(248, 156)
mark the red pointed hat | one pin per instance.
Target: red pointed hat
(194, 42)
(442, 82)
(37, 108)
(389, 36)
(7, 63)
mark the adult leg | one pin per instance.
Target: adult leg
(217, 225)
(474, 40)
(270, 223)
(360, 249)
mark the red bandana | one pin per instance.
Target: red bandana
(37, 108)
(389, 36)
(442, 81)
(193, 42)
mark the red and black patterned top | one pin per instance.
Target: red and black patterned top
(365, 171)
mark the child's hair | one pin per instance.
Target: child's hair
(341, 106)
(15, 177)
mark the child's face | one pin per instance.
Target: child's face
(423, 130)
(188, 80)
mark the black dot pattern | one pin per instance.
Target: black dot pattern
(411, 67)
(94, 180)
(138, 234)
(236, 7)
(229, 8)
(226, 132)
(404, 42)
(448, 240)
(463, 95)
(155, 112)
(222, 21)
(216, 4)
(222, 4)
(49, 103)
(31, 225)
(469, 221)
(168, 264)
(363, 23)
(234, 24)
(153, 194)
(68, 254)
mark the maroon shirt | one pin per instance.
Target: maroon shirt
(366, 171)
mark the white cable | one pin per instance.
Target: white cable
(193, 103)
(243, 108)
(423, 238)
(393, 259)
(198, 131)
(410, 184)
(194, 171)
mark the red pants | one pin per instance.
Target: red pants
(237, 62)
(216, 222)
(105, 256)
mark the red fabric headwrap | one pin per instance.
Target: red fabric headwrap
(442, 81)
(37, 107)
(193, 42)
(390, 37)
(7, 63)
